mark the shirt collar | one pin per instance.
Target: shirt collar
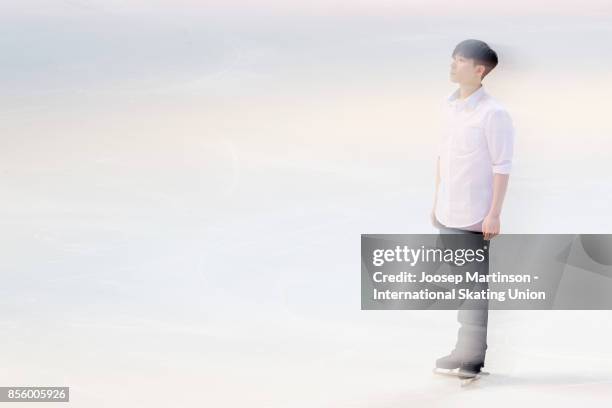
(470, 102)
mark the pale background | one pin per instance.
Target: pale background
(185, 183)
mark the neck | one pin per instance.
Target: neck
(466, 90)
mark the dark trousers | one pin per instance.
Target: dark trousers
(473, 315)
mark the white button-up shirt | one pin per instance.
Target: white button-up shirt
(477, 141)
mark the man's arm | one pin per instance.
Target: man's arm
(434, 221)
(491, 223)
(500, 139)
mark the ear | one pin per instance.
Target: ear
(480, 69)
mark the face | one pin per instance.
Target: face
(464, 71)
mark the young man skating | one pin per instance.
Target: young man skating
(473, 167)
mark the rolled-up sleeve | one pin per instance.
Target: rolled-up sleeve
(499, 132)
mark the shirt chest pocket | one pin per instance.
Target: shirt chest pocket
(468, 139)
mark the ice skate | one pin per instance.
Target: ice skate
(469, 372)
(448, 365)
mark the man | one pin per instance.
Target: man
(473, 167)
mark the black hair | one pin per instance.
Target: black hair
(480, 52)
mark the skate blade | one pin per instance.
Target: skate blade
(466, 382)
(455, 373)
(446, 372)
(469, 379)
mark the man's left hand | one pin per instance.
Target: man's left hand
(490, 226)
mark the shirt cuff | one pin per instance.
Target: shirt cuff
(502, 168)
